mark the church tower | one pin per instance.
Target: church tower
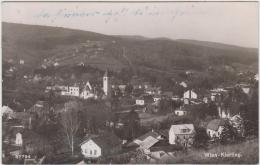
(106, 84)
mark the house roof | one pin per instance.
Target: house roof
(104, 141)
(22, 115)
(215, 124)
(148, 142)
(168, 93)
(150, 133)
(178, 129)
(6, 109)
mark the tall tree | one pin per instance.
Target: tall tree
(70, 123)
(201, 138)
(133, 124)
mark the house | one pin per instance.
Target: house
(237, 122)
(122, 88)
(8, 112)
(245, 88)
(18, 139)
(21, 61)
(182, 134)
(256, 77)
(215, 128)
(95, 146)
(181, 111)
(152, 90)
(190, 94)
(88, 92)
(156, 98)
(144, 100)
(74, 90)
(146, 141)
(183, 84)
(56, 64)
(41, 108)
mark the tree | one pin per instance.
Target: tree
(132, 125)
(201, 138)
(128, 89)
(228, 134)
(70, 123)
(212, 109)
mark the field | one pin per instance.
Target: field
(248, 152)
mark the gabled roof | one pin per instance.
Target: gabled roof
(215, 124)
(105, 141)
(150, 133)
(6, 109)
(178, 129)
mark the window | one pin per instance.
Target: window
(185, 130)
(86, 151)
(90, 152)
(95, 152)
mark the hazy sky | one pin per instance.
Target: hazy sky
(227, 22)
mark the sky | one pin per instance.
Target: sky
(233, 23)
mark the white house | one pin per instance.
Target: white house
(190, 94)
(183, 84)
(7, 111)
(256, 77)
(139, 101)
(21, 61)
(18, 139)
(143, 100)
(87, 92)
(181, 112)
(90, 149)
(74, 90)
(100, 145)
(56, 64)
(182, 134)
(215, 128)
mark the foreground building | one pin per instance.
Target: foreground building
(182, 134)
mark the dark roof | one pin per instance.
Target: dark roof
(164, 133)
(165, 148)
(215, 124)
(168, 93)
(22, 115)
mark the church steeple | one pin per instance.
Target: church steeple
(106, 84)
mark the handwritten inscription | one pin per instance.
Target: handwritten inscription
(110, 15)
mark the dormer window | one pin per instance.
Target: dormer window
(185, 130)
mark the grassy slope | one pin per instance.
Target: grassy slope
(248, 149)
(34, 43)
